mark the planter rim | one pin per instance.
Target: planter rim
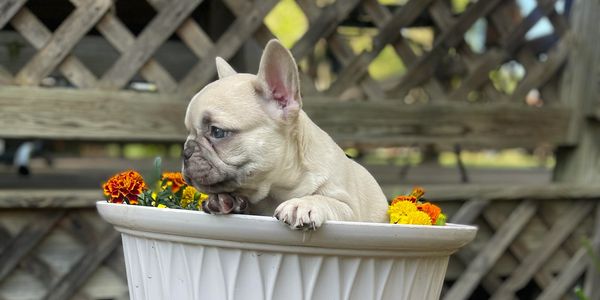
(266, 233)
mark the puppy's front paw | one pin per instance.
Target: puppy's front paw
(300, 214)
(222, 204)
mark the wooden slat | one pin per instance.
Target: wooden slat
(344, 53)
(20, 246)
(402, 17)
(537, 257)
(39, 269)
(425, 66)
(122, 39)
(322, 26)
(5, 237)
(189, 31)
(8, 8)
(518, 248)
(157, 32)
(565, 280)
(227, 45)
(5, 76)
(49, 198)
(509, 44)
(592, 277)
(91, 115)
(490, 253)
(239, 8)
(38, 35)
(64, 39)
(469, 211)
(101, 115)
(85, 267)
(40, 198)
(467, 214)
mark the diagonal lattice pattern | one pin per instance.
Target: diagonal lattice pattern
(432, 39)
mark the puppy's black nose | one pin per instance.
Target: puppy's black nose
(188, 150)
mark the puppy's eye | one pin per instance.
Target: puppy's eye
(217, 132)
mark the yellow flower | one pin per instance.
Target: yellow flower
(201, 199)
(188, 196)
(399, 210)
(162, 206)
(416, 218)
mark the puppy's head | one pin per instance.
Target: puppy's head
(240, 126)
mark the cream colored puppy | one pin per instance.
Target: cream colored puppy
(253, 149)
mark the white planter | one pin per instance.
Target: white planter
(179, 254)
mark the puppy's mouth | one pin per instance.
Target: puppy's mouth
(227, 185)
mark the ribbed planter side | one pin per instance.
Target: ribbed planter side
(167, 270)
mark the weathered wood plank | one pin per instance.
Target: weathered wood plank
(157, 32)
(580, 90)
(41, 198)
(64, 39)
(26, 240)
(49, 198)
(91, 115)
(87, 265)
(102, 115)
(38, 35)
(490, 253)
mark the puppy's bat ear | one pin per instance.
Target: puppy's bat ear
(223, 68)
(279, 73)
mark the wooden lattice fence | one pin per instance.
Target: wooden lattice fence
(53, 246)
(445, 72)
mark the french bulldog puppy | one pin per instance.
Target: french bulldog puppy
(252, 148)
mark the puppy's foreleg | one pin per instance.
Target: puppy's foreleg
(311, 211)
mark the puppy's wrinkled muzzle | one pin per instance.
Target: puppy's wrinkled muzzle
(221, 204)
(202, 168)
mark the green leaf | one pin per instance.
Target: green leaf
(441, 220)
(587, 244)
(579, 293)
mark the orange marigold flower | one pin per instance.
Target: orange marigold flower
(173, 179)
(411, 198)
(431, 209)
(124, 187)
